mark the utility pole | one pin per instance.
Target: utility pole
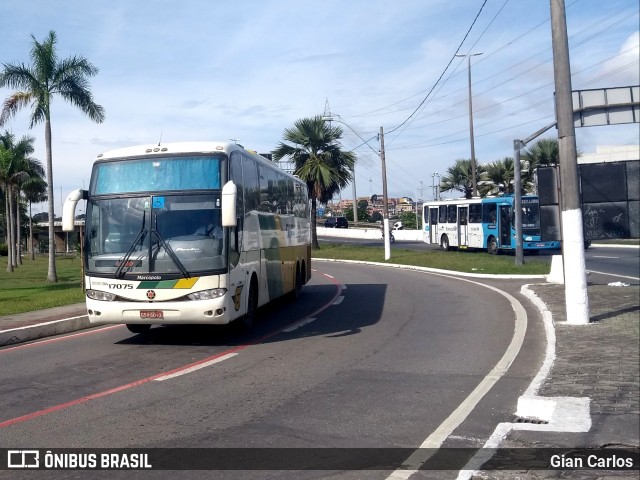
(473, 149)
(575, 285)
(434, 186)
(385, 205)
(330, 117)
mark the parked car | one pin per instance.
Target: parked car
(336, 222)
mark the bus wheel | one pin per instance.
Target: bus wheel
(247, 321)
(492, 246)
(297, 289)
(444, 243)
(138, 327)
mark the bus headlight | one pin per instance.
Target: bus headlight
(207, 294)
(99, 295)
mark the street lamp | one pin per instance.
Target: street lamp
(385, 203)
(473, 153)
(332, 118)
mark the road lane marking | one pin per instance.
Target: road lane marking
(193, 368)
(612, 274)
(296, 326)
(430, 445)
(339, 300)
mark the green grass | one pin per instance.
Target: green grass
(26, 288)
(469, 262)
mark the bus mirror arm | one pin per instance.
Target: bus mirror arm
(229, 198)
(69, 208)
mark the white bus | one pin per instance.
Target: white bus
(484, 224)
(186, 233)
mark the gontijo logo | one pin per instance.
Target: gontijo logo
(23, 459)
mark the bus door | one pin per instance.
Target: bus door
(463, 215)
(433, 225)
(505, 226)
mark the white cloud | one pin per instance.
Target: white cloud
(249, 69)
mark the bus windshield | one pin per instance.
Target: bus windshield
(177, 234)
(530, 216)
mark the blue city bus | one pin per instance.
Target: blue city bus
(484, 224)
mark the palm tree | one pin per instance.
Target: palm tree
(24, 167)
(544, 152)
(318, 160)
(35, 191)
(12, 174)
(38, 84)
(497, 178)
(459, 177)
(6, 165)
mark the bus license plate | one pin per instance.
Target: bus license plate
(151, 314)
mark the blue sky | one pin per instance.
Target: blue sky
(217, 70)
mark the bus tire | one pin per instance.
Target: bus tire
(299, 281)
(248, 319)
(138, 327)
(492, 246)
(444, 243)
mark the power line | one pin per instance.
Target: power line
(443, 72)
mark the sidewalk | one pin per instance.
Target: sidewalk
(599, 362)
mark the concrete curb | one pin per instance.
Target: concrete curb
(47, 329)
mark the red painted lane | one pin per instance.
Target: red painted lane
(142, 381)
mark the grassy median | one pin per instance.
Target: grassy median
(459, 261)
(26, 288)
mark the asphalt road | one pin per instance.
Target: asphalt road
(369, 357)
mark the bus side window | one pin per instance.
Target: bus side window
(452, 216)
(251, 186)
(442, 214)
(489, 214)
(475, 213)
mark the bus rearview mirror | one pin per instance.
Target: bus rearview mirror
(229, 197)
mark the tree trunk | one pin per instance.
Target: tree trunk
(52, 276)
(18, 237)
(314, 234)
(8, 218)
(12, 230)
(33, 254)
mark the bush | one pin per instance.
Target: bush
(4, 250)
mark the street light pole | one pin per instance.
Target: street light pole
(473, 152)
(385, 199)
(332, 118)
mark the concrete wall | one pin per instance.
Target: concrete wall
(372, 233)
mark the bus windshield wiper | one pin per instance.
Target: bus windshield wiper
(119, 273)
(172, 255)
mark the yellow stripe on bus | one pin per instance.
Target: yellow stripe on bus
(186, 282)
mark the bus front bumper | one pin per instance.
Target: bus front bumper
(165, 313)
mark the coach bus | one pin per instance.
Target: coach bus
(484, 224)
(186, 233)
